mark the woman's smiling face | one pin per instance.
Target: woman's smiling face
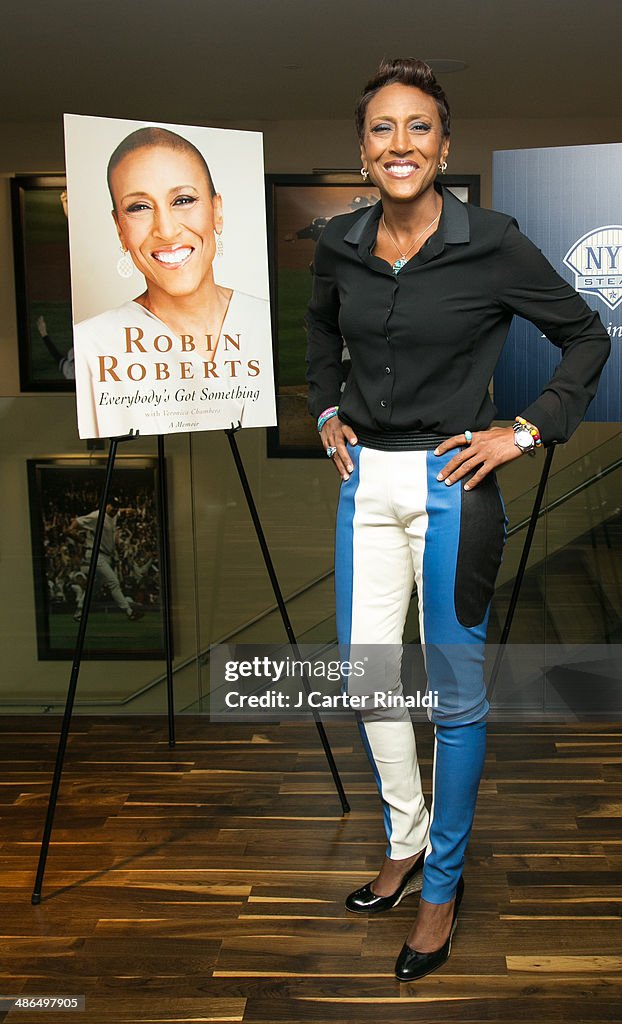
(403, 142)
(166, 217)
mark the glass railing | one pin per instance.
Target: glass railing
(577, 546)
(220, 588)
(568, 620)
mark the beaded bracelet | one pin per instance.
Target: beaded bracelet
(325, 416)
(535, 433)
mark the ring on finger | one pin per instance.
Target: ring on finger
(468, 436)
(331, 451)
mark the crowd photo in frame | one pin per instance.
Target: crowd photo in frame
(42, 282)
(299, 206)
(126, 614)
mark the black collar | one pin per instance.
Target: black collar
(453, 229)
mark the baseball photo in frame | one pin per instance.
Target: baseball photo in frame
(126, 615)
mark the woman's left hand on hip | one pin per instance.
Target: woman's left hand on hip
(487, 450)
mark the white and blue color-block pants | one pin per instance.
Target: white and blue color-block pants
(398, 525)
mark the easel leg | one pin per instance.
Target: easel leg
(531, 529)
(75, 671)
(165, 581)
(237, 458)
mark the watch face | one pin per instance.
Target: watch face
(523, 439)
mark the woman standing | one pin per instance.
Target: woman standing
(422, 289)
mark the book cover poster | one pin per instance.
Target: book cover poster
(169, 277)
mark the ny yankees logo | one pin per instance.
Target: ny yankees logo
(596, 261)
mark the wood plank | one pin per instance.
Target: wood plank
(560, 964)
(207, 882)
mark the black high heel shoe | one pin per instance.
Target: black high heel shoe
(365, 901)
(412, 965)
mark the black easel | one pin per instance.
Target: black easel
(248, 494)
(77, 658)
(165, 580)
(531, 529)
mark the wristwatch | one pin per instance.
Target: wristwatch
(524, 439)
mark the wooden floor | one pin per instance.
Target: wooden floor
(206, 883)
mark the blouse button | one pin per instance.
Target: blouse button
(387, 369)
(383, 404)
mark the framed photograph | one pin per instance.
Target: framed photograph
(126, 616)
(42, 283)
(299, 206)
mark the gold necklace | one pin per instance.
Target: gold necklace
(403, 260)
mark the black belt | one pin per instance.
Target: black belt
(399, 440)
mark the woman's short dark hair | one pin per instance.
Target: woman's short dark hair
(146, 138)
(403, 71)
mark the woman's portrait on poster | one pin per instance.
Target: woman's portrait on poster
(182, 331)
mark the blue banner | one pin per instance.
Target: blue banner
(567, 201)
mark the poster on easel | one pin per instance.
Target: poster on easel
(567, 200)
(169, 277)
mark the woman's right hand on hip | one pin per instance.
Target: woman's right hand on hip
(336, 434)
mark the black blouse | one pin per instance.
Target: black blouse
(424, 343)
